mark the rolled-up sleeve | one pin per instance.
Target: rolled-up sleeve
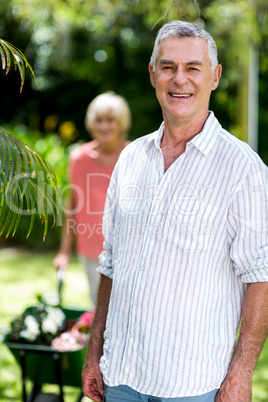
(248, 226)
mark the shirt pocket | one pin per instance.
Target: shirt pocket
(189, 225)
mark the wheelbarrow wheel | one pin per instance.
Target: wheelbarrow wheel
(46, 397)
(34, 392)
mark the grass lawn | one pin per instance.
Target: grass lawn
(25, 274)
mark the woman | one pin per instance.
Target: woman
(108, 120)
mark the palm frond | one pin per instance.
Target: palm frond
(10, 52)
(28, 186)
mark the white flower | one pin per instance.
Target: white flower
(31, 323)
(49, 326)
(28, 335)
(51, 299)
(32, 328)
(56, 315)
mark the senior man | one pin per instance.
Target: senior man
(186, 253)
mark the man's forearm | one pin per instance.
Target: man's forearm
(98, 327)
(254, 328)
(91, 375)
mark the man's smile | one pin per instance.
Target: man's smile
(176, 95)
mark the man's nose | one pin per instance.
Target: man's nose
(179, 77)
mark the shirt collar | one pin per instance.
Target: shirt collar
(204, 141)
(158, 135)
(207, 137)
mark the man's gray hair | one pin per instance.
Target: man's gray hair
(182, 29)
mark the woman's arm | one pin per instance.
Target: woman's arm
(61, 260)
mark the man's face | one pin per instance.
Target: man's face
(183, 78)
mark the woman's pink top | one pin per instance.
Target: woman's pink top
(89, 181)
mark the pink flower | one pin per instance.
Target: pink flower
(86, 318)
(69, 341)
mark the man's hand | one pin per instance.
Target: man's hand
(91, 374)
(235, 389)
(92, 380)
(237, 385)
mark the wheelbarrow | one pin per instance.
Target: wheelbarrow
(43, 365)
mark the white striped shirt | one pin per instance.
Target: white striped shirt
(179, 247)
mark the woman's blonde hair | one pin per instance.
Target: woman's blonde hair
(109, 101)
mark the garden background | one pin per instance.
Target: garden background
(79, 49)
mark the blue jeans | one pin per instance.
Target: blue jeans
(127, 394)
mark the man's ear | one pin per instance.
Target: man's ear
(216, 76)
(152, 75)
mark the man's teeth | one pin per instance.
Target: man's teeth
(181, 95)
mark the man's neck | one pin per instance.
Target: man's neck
(183, 130)
(177, 134)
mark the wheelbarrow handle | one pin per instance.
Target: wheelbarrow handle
(60, 275)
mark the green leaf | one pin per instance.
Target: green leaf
(10, 52)
(26, 181)
(3, 57)
(6, 50)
